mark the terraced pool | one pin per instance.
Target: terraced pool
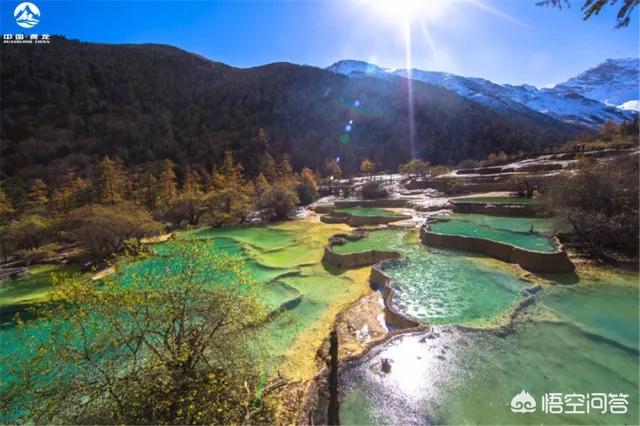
(456, 376)
(581, 338)
(441, 286)
(367, 211)
(285, 259)
(520, 232)
(383, 239)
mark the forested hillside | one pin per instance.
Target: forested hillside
(67, 104)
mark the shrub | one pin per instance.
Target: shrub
(184, 352)
(415, 166)
(29, 233)
(468, 164)
(373, 189)
(228, 206)
(279, 200)
(600, 203)
(307, 188)
(102, 230)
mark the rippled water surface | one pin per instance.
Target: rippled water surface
(442, 286)
(366, 211)
(579, 339)
(520, 232)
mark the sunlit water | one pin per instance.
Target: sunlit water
(442, 286)
(576, 339)
(520, 232)
(579, 338)
(285, 262)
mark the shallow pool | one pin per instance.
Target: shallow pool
(447, 287)
(366, 211)
(285, 260)
(383, 239)
(442, 286)
(509, 232)
(456, 376)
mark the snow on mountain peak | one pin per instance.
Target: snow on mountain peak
(608, 91)
(612, 82)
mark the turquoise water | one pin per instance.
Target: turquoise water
(515, 224)
(579, 338)
(445, 287)
(441, 286)
(455, 376)
(499, 232)
(383, 239)
(285, 262)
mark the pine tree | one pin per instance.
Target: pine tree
(230, 199)
(6, 211)
(333, 169)
(268, 167)
(63, 196)
(191, 182)
(216, 180)
(608, 130)
(113, 181)
(150, 190)
(232, 172)
(167, 183)
(6, 208)
(367, 166)
(285, 171)
(38, 194)
(261, 185)
(307, 188)
(263, 137)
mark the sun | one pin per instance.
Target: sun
(405, 11)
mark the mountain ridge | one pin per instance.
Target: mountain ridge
(567, 101)
(144, 103)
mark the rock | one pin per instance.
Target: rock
(386, 366)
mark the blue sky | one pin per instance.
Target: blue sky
(507, 41)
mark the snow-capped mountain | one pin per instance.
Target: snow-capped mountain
(614, 82)
(564, 103)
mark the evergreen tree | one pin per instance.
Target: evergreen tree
(285, 171)
(268, 167)
(6, 208)
(113, 181)
(232, 171)
(608, 131)
(6, 211)
(149, 189)
(307, 188)
(38, 194)
(216, 180)
(260, 186)
(367, 166)
(263, 137)
(167, 183)
(333, 169)
(191, 182)
(63, 197)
